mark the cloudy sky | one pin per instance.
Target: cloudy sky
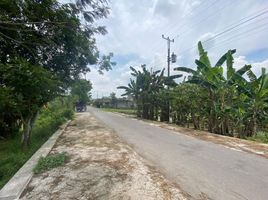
(135, 29)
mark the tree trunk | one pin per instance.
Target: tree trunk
(25, 140)
(254, 123)
(28, 124)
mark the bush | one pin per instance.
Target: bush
(260, 137)
(50, 118)
(50, 162)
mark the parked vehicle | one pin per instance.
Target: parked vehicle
(80, 106)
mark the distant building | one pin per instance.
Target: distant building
(106, 102)
(125, 103)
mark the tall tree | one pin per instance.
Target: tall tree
(53, 38)
(29, 87)
(232, 107)
(81, 90)
(145, 90)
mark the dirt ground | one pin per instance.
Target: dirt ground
(100, 166)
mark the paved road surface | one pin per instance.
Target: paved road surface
(202, 169)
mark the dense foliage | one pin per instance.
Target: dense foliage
(148, 90)
(81, 90)
(48, 121)
(235, 103)
(44, 47)
(230, 102)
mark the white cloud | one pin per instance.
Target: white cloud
(240, 61)
(135, 28)
(256, 66)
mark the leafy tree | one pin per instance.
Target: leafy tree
(188, 104)
(51, 44)
(113, 99)
(145, 90)
(29, 87)
(231, 104)
(81, 90)
(256, 101)
(52, 35)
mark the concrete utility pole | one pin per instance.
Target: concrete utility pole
(168, 66)
(168, 57)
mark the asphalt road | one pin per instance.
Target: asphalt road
(203, 169)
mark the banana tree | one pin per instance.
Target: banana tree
(217, 85)
(145, 89)
(256, 90)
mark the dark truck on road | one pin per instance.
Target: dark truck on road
(80, 106)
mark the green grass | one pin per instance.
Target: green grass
(121, 110)
(12, 157)
(49, 162)
(260, 137)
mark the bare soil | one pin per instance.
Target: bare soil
(100, 166)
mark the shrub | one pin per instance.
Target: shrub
(49, 162)
(50, 118)
(260, 137)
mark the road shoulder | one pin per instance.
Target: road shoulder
(100, 166)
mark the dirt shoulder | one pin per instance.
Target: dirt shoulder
(100, 166)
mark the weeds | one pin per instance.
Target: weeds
(11, 155)
(121, 110)
(260, 137)
(49, 162)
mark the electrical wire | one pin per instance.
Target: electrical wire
(243, 22)
(159, 43)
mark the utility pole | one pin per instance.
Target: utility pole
(168, 57)
(168, 66)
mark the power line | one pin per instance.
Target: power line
(204, 18)
(237, 37)
(157, 44)
(230, 28)
(244, 34)
(184, 24)
(195, 8)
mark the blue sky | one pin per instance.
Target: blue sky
(135, 29)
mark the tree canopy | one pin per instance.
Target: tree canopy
(81, 90)
(218, 98)
(45, 46)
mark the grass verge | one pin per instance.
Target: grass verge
(12, 157)
(260, 137)
(49, 162)
(121, 110)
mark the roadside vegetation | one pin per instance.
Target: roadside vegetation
(218, 98)
(121, 110)
(261, 136)
(12, 157)
(46, 49)
(49, 162)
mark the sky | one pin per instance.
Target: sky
(135, 29)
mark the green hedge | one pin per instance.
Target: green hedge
(12, 157)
